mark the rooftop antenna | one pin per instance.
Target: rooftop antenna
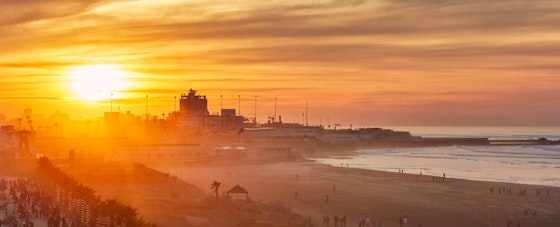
(275, 99)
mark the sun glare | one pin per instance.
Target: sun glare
(98, 82)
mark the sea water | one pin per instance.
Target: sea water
(526, 164)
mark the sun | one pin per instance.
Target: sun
(98, 82)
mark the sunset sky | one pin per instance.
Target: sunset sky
(374, 63)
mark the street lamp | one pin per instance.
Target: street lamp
(255, 109)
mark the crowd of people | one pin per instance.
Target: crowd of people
(24, 199)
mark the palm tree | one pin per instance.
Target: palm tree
(19, 122)
(216, 186)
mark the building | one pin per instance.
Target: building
(194, 115)
(193, 105)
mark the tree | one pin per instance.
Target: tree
(216, 186)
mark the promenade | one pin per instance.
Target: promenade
(24, 200)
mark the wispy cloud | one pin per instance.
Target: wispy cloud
(441, 55)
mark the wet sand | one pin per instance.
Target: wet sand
(384, 197)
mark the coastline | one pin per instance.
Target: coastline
(521, 164)
(383, 196)
(355, 193)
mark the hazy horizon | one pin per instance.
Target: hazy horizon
(467, 63)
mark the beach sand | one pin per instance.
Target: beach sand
(355, 193)
(384, 197)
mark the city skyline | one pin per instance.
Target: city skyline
(355, 62)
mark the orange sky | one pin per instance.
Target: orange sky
(357, 62)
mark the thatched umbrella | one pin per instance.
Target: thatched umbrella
(238, 190)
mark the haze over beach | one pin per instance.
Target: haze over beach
(141, 113)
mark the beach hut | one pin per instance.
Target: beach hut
(238, 190)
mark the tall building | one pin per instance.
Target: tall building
(193, 105)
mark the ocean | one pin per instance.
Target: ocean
(525, 164)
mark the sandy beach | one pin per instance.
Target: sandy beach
(383, 197)
(313, 191)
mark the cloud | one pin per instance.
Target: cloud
(28, 11)
(393, 54)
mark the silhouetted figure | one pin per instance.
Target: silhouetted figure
(535, 213)
(336, 220)
(295, 195)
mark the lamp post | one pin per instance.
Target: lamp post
(111, 102)
(255, 109)
(306, 114)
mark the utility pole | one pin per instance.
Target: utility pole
(306, 114)
(255, 109)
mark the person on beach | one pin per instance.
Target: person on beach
(367, 222)
(10, 208)
(336, 220)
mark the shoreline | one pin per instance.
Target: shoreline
(489, 163)
(424, 174)
(303, 186)
(314, 190)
